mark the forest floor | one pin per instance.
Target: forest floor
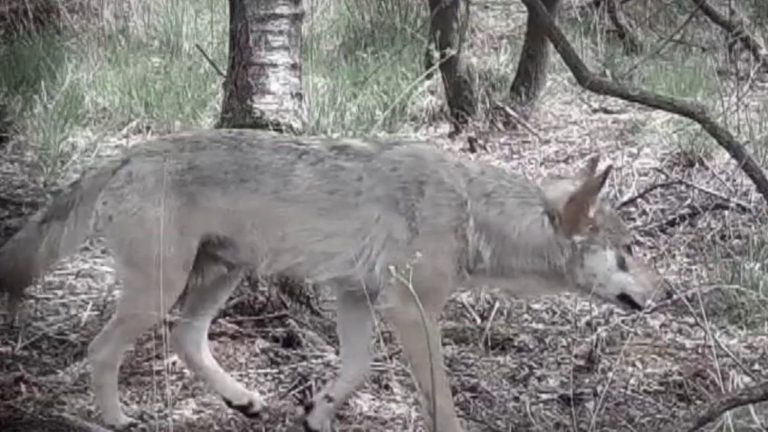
(554, 363)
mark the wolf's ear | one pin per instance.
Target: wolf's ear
(589, 168)
(577, 215)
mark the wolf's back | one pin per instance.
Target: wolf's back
(53, 232)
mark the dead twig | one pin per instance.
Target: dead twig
(210, 61)
(689, 213)
(737, 203)
(693, 111)
(521, 121)
(627, 201)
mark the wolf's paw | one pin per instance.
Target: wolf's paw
(313, 422)
(121, 422)
(250, 406)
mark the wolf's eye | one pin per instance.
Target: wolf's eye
(621, 262)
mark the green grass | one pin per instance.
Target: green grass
(743, 273)
(363, 67)
(677, 70)
(69, 88)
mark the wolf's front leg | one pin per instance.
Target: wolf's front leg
(354, 324)
(419, 335)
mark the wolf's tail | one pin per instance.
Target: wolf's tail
(53, 232)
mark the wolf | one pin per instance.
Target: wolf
(392, 226)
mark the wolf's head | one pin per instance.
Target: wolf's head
(601, 262)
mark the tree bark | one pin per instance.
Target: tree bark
(693, 111)
(263, 88)
(623, 29)
(531, 76)
(447, 31)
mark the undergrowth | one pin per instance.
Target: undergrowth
(143, 71)
(688, 61)
(66, 88)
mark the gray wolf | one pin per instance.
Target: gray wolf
(391, 226)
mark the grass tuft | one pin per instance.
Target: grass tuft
(363, 68)
(143, 70)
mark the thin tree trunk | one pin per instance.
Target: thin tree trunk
(447, 28)
(531, 76)
(263, 89)
(623, 29)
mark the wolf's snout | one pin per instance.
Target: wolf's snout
(627, 300)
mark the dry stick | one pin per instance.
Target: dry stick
(522, 122)
(645, 192)
(736, 30)
(691, 110)
(210, 61)
(737, 203)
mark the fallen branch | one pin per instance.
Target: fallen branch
(691, 110)
(688, 214)
(736, 30)
(712, 410)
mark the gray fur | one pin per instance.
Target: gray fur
(195, 210)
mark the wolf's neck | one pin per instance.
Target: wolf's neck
(509, 236)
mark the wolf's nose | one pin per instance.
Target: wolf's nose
(628, 301)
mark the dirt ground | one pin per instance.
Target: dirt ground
(549, 364)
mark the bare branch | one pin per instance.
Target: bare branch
(736, 30)
(691, 110)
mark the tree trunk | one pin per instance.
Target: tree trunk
(447, 31)
(531, 77)
(624, 31)
(263, 89)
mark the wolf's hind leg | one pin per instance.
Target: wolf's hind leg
(140, 306)
(190, 340)
(355, 329)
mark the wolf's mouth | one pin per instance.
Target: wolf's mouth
(627, 300)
